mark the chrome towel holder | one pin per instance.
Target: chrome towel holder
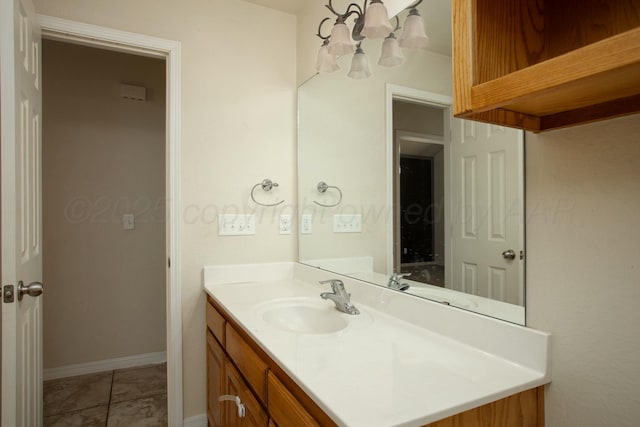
(267, 185)
(322, 188)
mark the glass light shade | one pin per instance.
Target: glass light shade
(391, 54)
(340, 40)
(326, 62)
(413, 34)
(376, 21)
(359, 66)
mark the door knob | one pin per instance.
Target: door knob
(509, 254)
(33, 290)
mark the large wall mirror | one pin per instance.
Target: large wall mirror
(396, 192)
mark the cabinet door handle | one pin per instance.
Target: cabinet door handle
(239, 404)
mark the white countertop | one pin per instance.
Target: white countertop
(489, 307)
(384, 369)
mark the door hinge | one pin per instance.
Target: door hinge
(8, 294)
(168, 262)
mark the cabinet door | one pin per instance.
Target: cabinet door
(215, 380)
(249, 363)
(284, 407)
(254, 416)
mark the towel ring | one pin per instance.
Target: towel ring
(267, 185)
(323, 187)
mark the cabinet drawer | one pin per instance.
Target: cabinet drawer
(284, 408)
(215, 323)
(252, 367)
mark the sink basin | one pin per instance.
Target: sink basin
(303, 315)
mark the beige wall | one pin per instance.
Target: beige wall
(583, 205)
(238, 127)
(103, 156)
(418, 118)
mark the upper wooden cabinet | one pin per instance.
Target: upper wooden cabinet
(545, 64)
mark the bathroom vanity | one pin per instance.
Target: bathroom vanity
(289, 358)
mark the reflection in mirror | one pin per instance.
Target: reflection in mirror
(419, 192)
(418, 182)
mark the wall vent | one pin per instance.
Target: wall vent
(136, 93)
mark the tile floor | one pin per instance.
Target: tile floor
(127, 397)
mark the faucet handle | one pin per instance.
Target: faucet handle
(398, 276)
(336, 284)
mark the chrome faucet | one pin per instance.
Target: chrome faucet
(339, 296)
(395, 279)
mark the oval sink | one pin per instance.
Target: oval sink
(304, 316)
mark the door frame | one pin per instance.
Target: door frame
(169, 50)
(403, 93)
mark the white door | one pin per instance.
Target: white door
(21, 214)
(487, 232)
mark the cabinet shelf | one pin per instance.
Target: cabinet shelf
(499, 78)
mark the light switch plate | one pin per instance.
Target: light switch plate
(236, 225)
(347, 223)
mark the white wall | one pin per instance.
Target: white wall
(238, 127)
(583, 268)
(103, 156)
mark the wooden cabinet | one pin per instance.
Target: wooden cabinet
(285, 408)
(254, 414)
(545, 64)
(252, 366)
(524, 409)
(237, 366)
(215, 380)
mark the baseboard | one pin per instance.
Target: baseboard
(105, 365)
(196, 421)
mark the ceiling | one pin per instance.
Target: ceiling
(436, 14)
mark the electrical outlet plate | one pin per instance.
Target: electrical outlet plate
(306, 224)
(128, 222)
(285, 224)
(236, 225)
(347, 223)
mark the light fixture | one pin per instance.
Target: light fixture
(413, 34)
(372, 22)
(376, 21)
(391, 54)
(340, 41)
(326, 62)
(359, 65)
